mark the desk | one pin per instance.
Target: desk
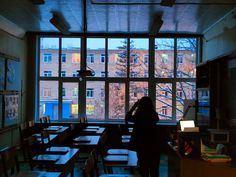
(38, 174)
(185, 167)
(93, 131)
(58, 161)
(92, 142)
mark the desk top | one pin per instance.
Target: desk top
(94, 140)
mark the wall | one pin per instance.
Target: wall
(16, 47)
(220, 38)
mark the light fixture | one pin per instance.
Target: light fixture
(168, 3)
(38, 2)
(58, 21)
(156, 24)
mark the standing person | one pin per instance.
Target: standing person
(145, 138)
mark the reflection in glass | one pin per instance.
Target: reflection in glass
(48, 104)
(139, 58)
(186, 58)
(95, 100)
(49, 54)
(164, 100)
(117, 52)
(95, 55)
(164, 57)
(137, 91)
(116, 101)
(184, 91)
(70, 106)
(70, 56)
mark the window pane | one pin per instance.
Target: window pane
(164, 58)
(70, 105)
(95, 100)
(116, 100)
(137, 91)
(184, 91)
(117, 52)
(186, 58)
(48, 99)
(164, 100)
(96, 49)
(139, 51)
(49, 57)
(70, 57)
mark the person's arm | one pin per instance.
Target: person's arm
(129, 116)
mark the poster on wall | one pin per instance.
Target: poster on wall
(2, 73)
(13, 75)
(11, 109)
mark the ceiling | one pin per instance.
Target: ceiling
(113, 16)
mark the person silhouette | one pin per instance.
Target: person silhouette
(146, 137)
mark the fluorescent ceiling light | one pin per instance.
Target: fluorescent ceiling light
(168, 3)
(59, 22)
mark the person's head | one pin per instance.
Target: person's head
(145, 104)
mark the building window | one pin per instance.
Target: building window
(63, 73)
(103, 74)
(89, 92)
(179, 94)
(63, 91)
(47, 58)
(90, 58)
(74, 109)
(133, 74)
(180, 58)
(75, 91)
(102, 58)
(164, 58)
(75, 58)
(47, 92)
(146, 58)
(164, 110)
(47, 73)
(74, 74)
(63, 58)
(134, 59)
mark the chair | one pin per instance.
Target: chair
(10, 161)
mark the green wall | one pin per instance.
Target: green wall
(15, 47)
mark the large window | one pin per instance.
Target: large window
(125, 70)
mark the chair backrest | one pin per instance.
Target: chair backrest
(10, 161)
(90, 167)
(45, 136)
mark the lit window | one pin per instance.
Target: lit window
(90, 109)
(146, 58)
(63, 73)
(89, 92)
(75, 57)
(63, 92)
(63, 58)
(179, 58)
(74, 108)
(47, 92)
(90, 58)
(47, 58)
(74, 74)
(47, 73)
(102, 58)
(75, 91)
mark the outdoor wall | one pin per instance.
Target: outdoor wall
(15, 47)
(220, 38)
